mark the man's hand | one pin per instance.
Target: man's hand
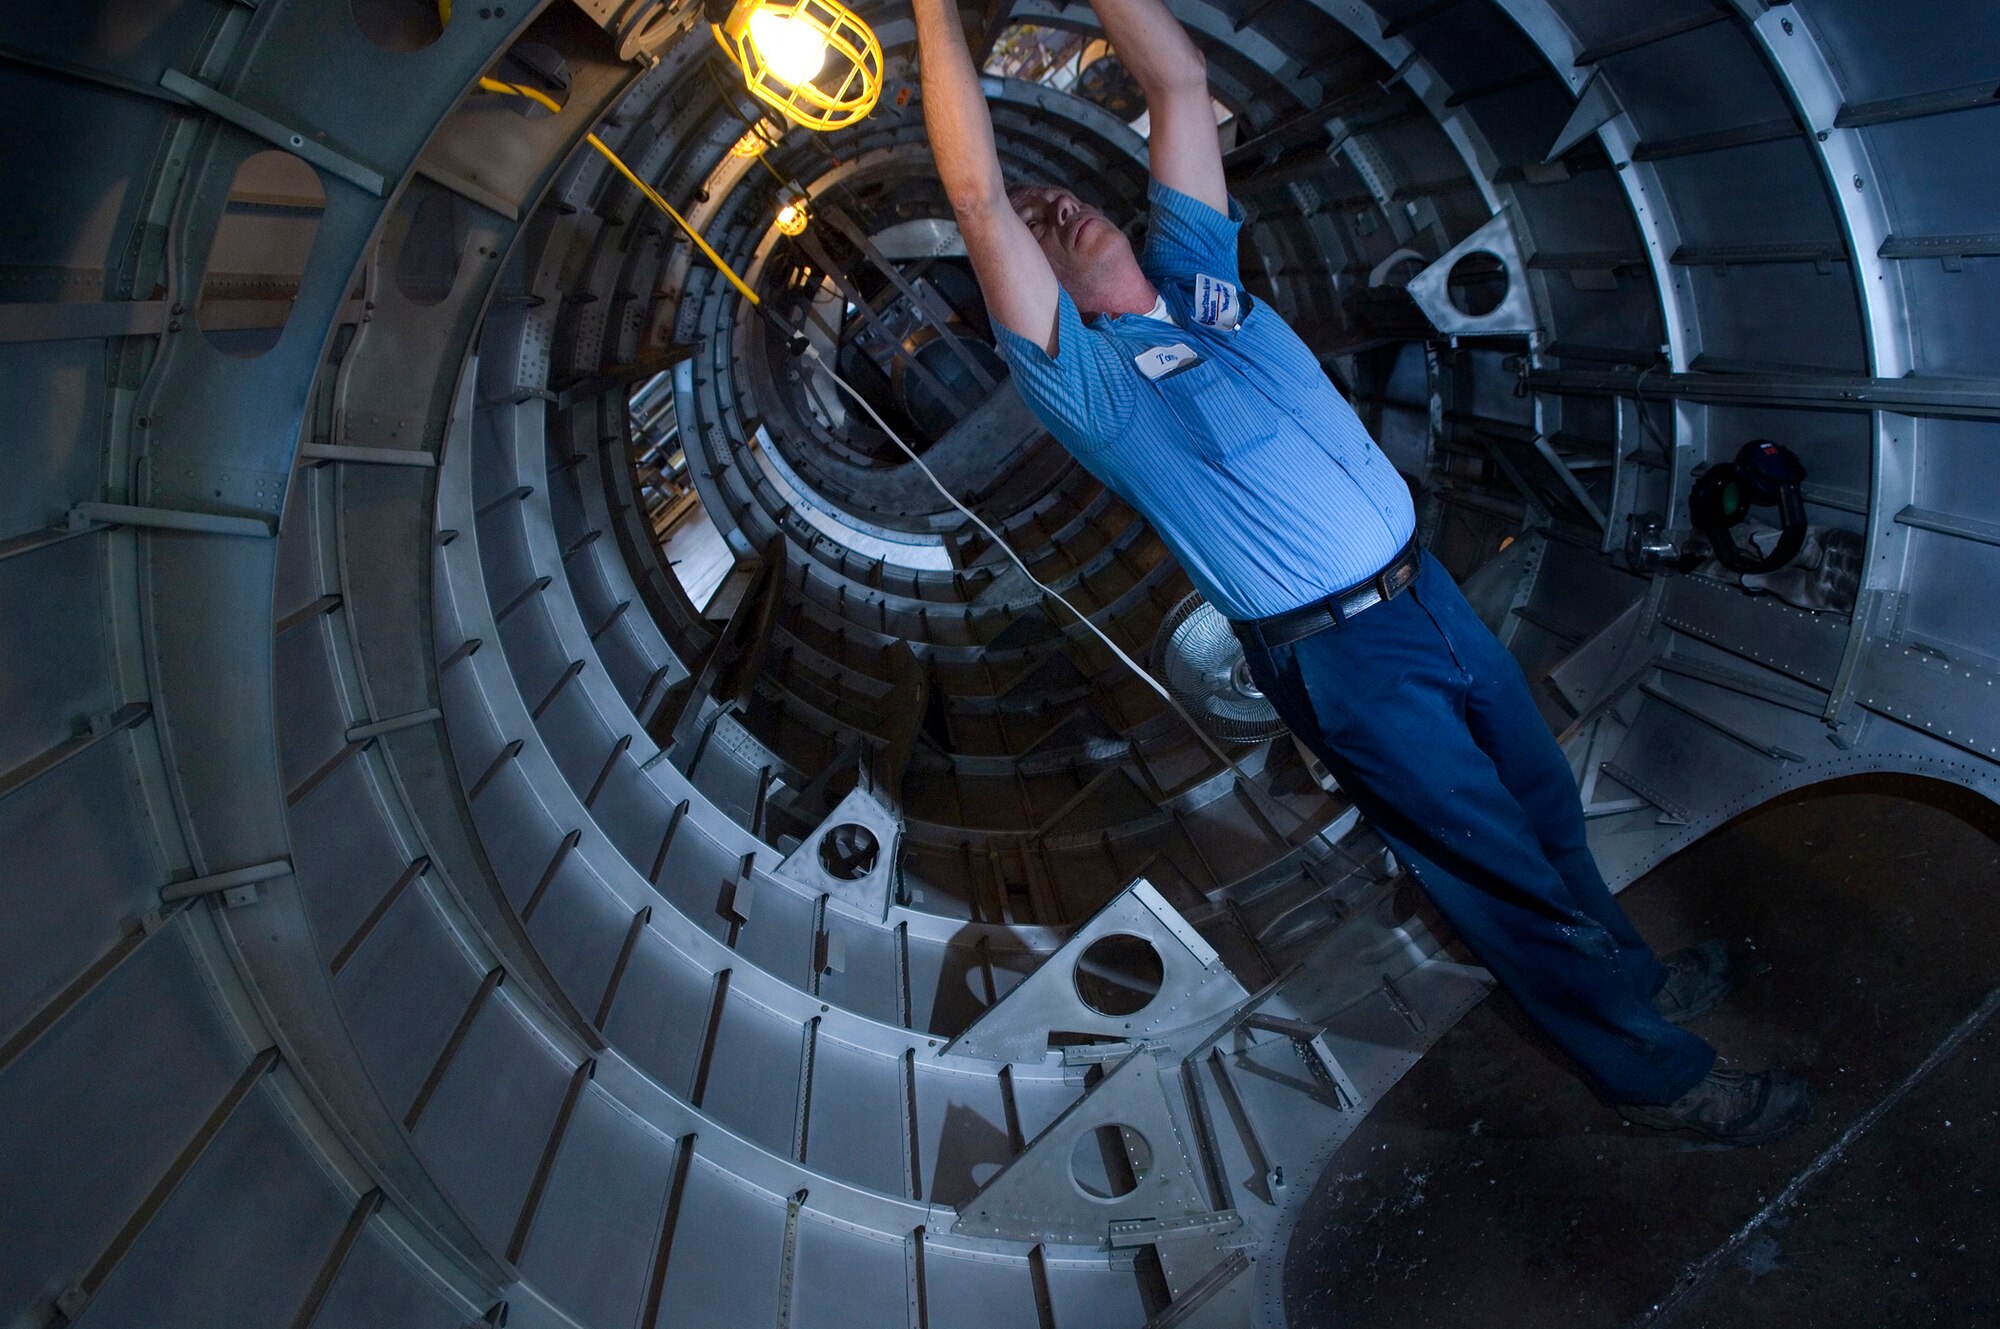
(1014, 276)
(1150, 42)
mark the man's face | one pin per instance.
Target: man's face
(1084, 249)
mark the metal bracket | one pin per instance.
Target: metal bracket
(1196, 989)
(814, 864)
(1210, 1299)
(1514, 315)
(83, 515)
(237, 886)
(284, 136)
(1038, 1196)
(1597, 107)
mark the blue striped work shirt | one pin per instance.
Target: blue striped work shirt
(1255, 471)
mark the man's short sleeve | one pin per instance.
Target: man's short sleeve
(1083, 393)
(1187, 237)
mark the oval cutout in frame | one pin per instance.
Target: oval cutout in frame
(259, 252)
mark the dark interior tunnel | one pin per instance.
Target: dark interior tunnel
(520, 804)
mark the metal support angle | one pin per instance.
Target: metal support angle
(1146, 1231)
(1044, 1195)
(1514, 315)
(851, 856)
(1596, 107)
(84, 516)
(1203, 1272)
(1195, 988)
(299, 142)
(237, 886)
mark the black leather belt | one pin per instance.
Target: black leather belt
(1298, 624)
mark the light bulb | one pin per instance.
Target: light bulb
(792, 218)
(794, 49)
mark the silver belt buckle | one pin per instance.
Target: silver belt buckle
(1365, 598)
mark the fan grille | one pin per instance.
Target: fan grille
(1199, 659)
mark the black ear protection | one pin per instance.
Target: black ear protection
(1764, 474)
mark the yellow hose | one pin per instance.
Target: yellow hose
(652, 196)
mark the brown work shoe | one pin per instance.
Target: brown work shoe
(1732, 1107)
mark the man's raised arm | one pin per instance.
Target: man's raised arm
(1019, 286)
(1170, 70)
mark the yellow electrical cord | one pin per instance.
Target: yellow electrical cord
(651, 195)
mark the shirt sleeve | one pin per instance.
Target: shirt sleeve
(1083, 393)
(1187, 236)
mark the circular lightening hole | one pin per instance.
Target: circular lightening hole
(1109, 1162)
(1119, 975)
(848, 851)
(1477, 284)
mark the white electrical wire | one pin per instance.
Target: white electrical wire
(1123, 656)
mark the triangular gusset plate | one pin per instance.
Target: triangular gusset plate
(1066, 1185)
(1515, 313)
(859, 867)
(1194, 986)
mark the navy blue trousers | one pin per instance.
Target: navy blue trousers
(1425, 719)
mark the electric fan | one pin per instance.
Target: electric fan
(1201, 662)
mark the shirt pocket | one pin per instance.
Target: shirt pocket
(1222, 414)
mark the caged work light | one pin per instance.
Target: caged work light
(754, 143)
(793, 216)
(814, 61)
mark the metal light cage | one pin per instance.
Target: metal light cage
(793, 214)
(853, 69)
(756, 141)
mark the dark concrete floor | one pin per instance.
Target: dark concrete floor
(1491, 1188)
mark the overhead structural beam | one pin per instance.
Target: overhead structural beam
(469, 190)
(1664, 32)
(1859, 115)
(394, 723)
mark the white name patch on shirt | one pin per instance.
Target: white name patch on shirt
(1217, 304)
(1159, 361)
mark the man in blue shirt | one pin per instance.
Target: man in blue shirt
(1206, 412)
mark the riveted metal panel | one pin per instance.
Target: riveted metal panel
(858, 1096)
(483, 1132)
(967, 1292)
(109, 1097)
(578, 926)
(403, 992)
(1798, 642)
(79, 874)
(379, 1284)
(596, 1232)
(347, 853)
(258, 1200)
(962, 1133)
(754, 1073)
(1955, 699)
(723, 1266)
